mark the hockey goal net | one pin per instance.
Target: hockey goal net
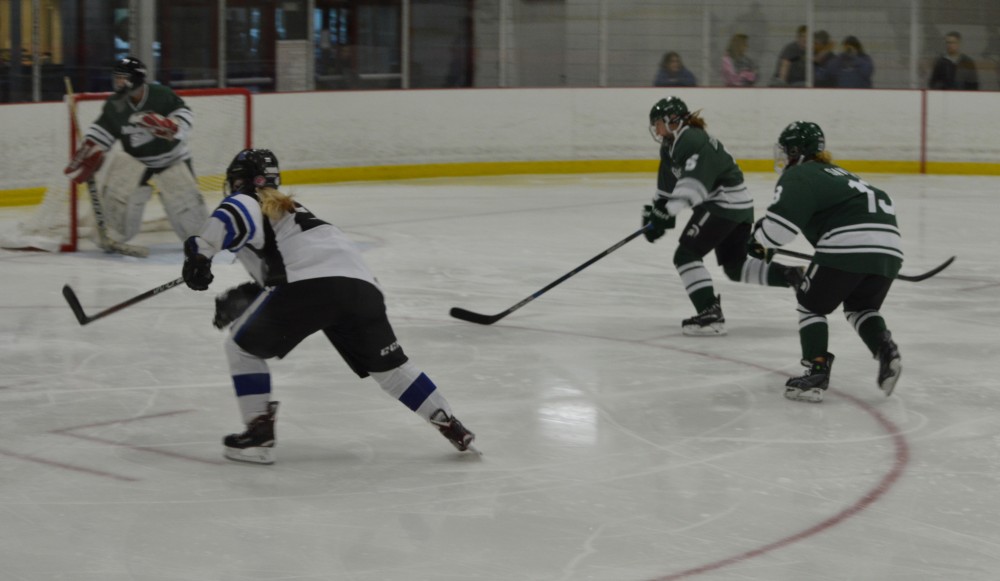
(222, 127)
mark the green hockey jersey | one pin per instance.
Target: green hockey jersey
(702, 172)
(851, 224)
(118, 121)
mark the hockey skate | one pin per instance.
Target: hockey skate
(889, 365)
(454, 431)
(256, 444)
(811, 386)
(708, 322)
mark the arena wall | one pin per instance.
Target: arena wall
(337, 136)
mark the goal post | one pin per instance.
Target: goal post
(223, 125)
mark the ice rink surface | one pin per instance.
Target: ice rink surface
(615, 448)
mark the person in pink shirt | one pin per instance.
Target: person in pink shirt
(738, 69)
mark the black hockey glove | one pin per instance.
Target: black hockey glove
(232, 303)
(197, 270)
(658, 218)
(756, 249)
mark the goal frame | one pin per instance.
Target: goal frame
(74, 198)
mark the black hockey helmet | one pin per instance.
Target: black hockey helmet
(800, 141)
(669, 110)
(128, 73)
(252, 169)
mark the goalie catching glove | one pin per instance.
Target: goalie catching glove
(232, 303)
(197, 270)
(160, 126)
(88, 159)
(657, 220)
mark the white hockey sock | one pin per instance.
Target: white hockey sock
(413, 389)
(251, 380)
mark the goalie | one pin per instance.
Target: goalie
(153, 125)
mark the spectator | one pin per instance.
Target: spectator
(673, 73)
(852, 68)
(954, 70)
(823, 56)
(791, 69)
(738, 69)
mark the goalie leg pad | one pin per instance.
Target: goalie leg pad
(182, 200)
(123, 211)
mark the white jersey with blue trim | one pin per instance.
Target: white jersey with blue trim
(297, 247)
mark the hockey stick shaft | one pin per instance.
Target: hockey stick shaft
(907, 278)
(490, 319)
(83, 318)
(104, 241)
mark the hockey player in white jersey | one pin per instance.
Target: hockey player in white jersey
(308, 277)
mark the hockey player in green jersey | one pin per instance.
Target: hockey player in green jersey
(697, 172)
(852, 226)
(153, 125)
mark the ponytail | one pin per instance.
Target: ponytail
(275, 204)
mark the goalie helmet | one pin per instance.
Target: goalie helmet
(252, 169)
(128, 74)
(800, 141)
(670, 110)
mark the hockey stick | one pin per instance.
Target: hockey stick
(83, 318)
(908, 278)
(103, 240)
(490, 319)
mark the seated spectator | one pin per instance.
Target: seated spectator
(738, 69)
(822, 57)
(852, 68)
(954, 69)
(672, 73)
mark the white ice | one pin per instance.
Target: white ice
(615, 448)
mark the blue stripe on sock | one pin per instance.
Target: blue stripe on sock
(252, 384)
(418, 392)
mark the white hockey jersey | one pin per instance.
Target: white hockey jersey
(297, 247)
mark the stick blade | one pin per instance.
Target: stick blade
(474, 317)
(74, 304)
(928, 274)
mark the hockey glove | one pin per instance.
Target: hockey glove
(232, 303)
(88, 159)
(658, 218)
(756, 249)
(160, 126)
(197, 270)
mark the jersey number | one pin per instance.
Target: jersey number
(874, 204)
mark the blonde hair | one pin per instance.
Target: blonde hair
(275, 204)
(824, 157)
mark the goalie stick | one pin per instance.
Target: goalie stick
(490, 319)
(103, 240)
(907, 278)
(83, 318)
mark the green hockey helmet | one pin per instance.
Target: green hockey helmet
(800, 141)
(669, 110)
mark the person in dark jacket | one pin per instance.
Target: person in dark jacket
(852, 68)
(954, 70)
(672, 72)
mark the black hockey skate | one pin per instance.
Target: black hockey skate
(889, 365)
(811, 385)
(708, 322)
(256, 444)
(454, 431)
